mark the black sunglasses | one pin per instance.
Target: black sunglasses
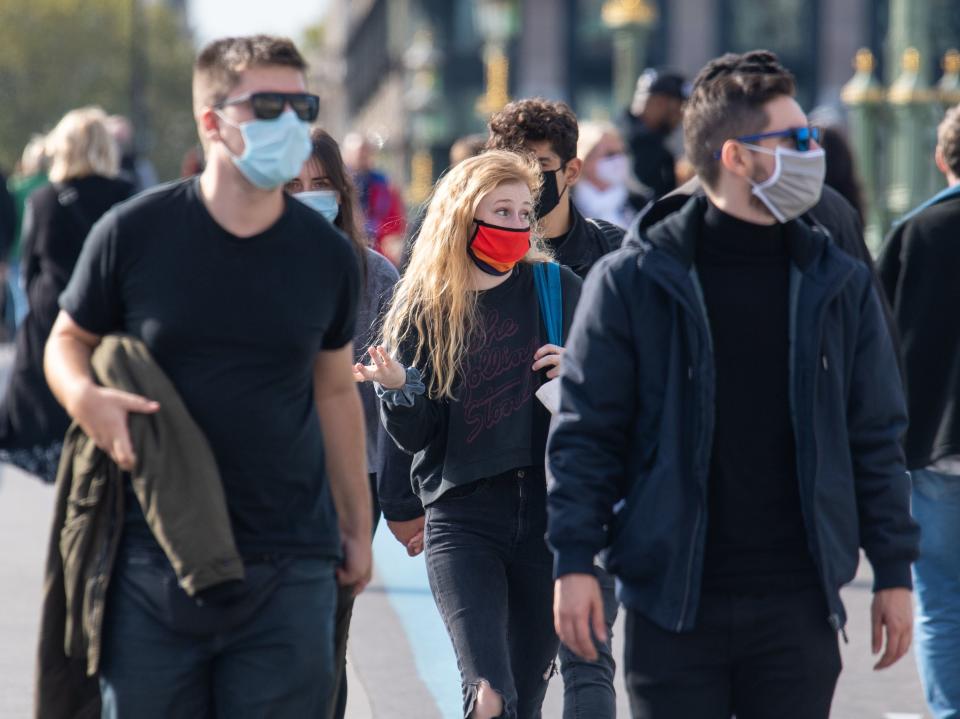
(269, 105)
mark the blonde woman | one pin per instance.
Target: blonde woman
(84, 161)
(464, 352)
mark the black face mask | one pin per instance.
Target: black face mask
(549, 195)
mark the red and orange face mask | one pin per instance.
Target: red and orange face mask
(495, 249)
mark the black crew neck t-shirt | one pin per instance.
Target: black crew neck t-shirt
(237, 325)
(756, 540)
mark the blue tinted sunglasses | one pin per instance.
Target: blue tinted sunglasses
(801, 137)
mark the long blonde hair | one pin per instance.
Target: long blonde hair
(434, 311)
(81, 145)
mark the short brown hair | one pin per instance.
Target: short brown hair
(948, 139)
(217, 69)
(535, 120)
(727, 101)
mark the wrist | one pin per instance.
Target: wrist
(78, 396)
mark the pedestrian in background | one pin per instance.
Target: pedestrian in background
(325, 185)
(842, 173)
(30, 175)
(246, 299)
(655, 112)
(465, 348)
(919, 267)
(730, 418)
(384, 214)
(601, 192)
(84, 163)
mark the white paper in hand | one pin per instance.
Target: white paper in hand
(549, 395)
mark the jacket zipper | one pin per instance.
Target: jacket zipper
(833, 619)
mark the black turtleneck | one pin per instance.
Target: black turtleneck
(756, 541)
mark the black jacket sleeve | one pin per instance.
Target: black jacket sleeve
(585, 454)
(876, 421)
(394, 489)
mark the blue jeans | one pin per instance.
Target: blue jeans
(588, 691)
(269, 653)
(491, 575)
(936, 577)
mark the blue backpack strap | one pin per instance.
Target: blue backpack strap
(546, 275)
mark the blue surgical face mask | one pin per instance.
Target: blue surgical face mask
(323, 201)
(274, 150)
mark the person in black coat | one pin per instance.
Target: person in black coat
(918, 268)
(729, 429)
(84, 165)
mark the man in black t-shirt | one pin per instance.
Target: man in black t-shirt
(246, 299)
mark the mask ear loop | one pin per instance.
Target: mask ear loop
(759, 187)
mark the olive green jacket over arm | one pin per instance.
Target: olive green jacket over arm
(178, 485)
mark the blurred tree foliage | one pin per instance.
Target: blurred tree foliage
(56, 55)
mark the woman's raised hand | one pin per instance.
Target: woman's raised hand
(384, 370)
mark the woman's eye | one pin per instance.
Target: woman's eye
(503, 212)
(525, 215)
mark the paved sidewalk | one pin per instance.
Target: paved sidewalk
(401, 664)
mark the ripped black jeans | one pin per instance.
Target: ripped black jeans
(491, 574)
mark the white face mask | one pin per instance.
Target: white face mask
(795, 184)
(613, 169)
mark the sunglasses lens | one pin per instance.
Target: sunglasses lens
(307, 107)
(267, 105)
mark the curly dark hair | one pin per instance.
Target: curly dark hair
(727, 101)
(535, 120)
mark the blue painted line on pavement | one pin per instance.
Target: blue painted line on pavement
(405, 581)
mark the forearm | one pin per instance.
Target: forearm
(66, 364)
(341, 421)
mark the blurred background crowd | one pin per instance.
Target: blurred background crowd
(406, 84)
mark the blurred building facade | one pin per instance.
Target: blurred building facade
(420, 73)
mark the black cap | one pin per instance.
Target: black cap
(663, 82)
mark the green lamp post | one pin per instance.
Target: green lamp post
(949, 85)
(863, 96)
(631, 21)
(913, 106)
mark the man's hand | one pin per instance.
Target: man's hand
(893, 609)
(409, 534)
(102, 414)
(578, 607)
(357, 564)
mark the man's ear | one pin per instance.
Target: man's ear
(208, 125)
(735, 158)
(571, 173)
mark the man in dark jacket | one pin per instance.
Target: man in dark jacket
(654, 113)
(730, 419)
(549, 131)
(832, 212)
(919, 267)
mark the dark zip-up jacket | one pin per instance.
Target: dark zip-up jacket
(832, 212)
(629, 454)
(918, 268)
(178, 485)
(586, 241)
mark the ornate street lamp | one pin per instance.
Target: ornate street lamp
(863, 96)
(496, 21)
(630, 21)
